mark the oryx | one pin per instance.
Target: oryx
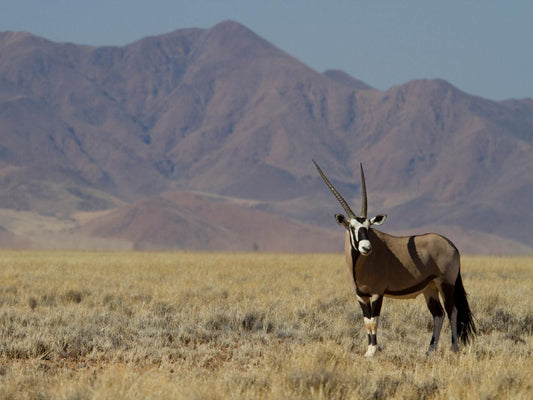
(402, 267)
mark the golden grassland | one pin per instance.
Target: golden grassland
(173, 325)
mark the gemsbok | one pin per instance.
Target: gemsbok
(381, 265)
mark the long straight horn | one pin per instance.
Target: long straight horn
(363, 193)
(341, 200)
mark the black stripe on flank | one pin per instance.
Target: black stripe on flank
(413, 289)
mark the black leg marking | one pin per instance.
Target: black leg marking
(366, 308)
(373, 340)
(447, 292)
(449, 305)
(375, 306)
(371, 310)
(435, 308)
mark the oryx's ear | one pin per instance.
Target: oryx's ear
(341, 220)
(378, 219)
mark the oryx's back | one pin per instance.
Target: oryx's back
(429, 250)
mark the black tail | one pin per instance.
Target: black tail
(466, 327)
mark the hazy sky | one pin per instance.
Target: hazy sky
(482, 47)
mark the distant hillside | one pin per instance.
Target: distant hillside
(223, 112)
(190, 221)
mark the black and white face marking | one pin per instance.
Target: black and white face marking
(357, 226)
(358, 229)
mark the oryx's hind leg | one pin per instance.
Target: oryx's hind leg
(432, 300)
(451, 310)
(371, 307)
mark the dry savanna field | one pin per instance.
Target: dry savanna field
(156, 325)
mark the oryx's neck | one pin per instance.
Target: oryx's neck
(360, 262)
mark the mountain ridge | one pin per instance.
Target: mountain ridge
(223, 111)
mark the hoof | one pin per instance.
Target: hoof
(371, 351)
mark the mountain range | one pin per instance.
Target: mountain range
(203, 139)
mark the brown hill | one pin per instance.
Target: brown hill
(184, 220)
(189, 221)
(10, 240)
(224, 112)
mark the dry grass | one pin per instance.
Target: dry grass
(98, 325)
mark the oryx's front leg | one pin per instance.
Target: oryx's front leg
(371, 307)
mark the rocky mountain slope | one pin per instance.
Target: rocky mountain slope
(225, 114)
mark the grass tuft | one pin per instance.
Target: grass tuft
(73, 296)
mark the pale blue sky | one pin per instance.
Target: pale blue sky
(482, 47)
